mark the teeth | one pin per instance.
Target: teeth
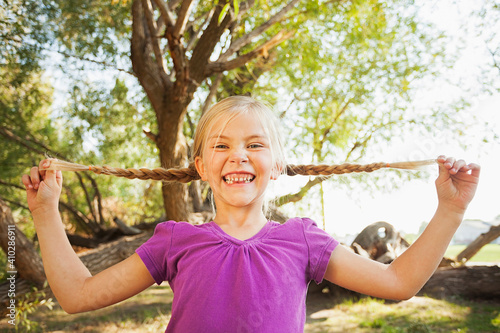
(231, 179)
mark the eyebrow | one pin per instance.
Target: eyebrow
(250, 137)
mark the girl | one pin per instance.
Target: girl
(241, 272)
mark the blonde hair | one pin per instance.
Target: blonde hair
(225, 111)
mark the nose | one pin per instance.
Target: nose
(238, 156)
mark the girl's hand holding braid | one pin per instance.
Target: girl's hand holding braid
(456, 183)
(71, 282)
(43, 188)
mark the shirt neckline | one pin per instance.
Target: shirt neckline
(261, 233)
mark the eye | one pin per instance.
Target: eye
(220, 146)
(255, 145)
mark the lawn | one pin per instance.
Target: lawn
(150, 312)
(489, 253)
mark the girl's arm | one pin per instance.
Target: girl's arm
(405, 276)
(74, 287)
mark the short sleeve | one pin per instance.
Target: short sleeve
(155, 251)
(320, 247)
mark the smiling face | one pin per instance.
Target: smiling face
(237, 161)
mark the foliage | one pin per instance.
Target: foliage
(345, 81)
(485, 23)
(27, 304)
(33, 127)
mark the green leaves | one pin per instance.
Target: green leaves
(226, 8)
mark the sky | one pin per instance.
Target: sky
(416, 201)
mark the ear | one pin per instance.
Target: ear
(200, 167)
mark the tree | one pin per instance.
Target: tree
(192, 35)
(182, 51)
(185, 54)
(30, 128)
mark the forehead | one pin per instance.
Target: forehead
(242, 125)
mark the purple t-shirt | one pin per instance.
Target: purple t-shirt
(222, 284)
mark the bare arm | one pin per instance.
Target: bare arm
(73, 285)
(406, 275)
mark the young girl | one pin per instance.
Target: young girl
(241, 272)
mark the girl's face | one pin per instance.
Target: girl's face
(237, 162)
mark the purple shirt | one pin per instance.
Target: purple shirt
(222, 284)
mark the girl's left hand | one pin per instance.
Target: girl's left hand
(456, 183)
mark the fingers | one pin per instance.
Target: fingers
(35, 177)
(38, 174)
(59, 177)
(475, 169)
(27, 182)
(452, 166)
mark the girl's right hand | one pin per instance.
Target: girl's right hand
(43, 187)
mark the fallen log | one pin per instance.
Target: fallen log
(380, 242)
(95, 260)
(472, 282)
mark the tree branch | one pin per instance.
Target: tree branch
(182, 18)
(172, 4)
(244, 7)
(154, 82)
(67, 55)
(196, 35)
(7, 133)
(165, 13)
(219, 66)
(206, 44)
(213, 90)
(151, 135)
(155, 44)
(87, 197)
(15, 203)
(80, 219)
(246, 39)
(11, 185)
(300, 194)
(337, 116)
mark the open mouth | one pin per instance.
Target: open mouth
(238, 178)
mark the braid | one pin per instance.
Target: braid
(185, 175)
(327, 170)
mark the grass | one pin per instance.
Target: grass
(489, 253)
(419, 314)
(150, 312)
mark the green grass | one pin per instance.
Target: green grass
(489, 253)
(417, 315)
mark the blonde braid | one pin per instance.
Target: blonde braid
(327, 170)
(185, 175)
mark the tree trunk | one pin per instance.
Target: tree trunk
(478, 243)
(384, 245)
(173, 153)
(27, 262)
(468, 282)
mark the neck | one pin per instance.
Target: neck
(240, 217)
